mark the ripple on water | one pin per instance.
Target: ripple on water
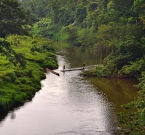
(66, 105)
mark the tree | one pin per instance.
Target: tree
(6, 50)
(12, 18)
(139, 9)
(123, 6)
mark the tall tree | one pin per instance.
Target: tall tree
(12, 18)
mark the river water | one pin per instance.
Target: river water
(70, 105)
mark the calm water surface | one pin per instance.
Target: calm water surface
(70, 105)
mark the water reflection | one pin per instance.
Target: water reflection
(13, 115)
(70, 105)
(118, 91)
(66, 105)
(77, 56)
(114, 89)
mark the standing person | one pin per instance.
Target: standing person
(63, 67)
(84, 65)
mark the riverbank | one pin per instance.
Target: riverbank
(102, 71)
(131, 122)
(79, 101)
(19, 84)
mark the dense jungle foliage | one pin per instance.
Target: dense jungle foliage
(118, 25)
(22, 57)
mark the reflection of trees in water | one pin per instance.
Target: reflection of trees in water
(13, 115)
(88, 55)
(4, 114)
(116, 89)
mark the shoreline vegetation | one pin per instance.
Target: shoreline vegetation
(131, 122)
(19, 84)
(23, 56)
(116, 28)
(104, 71)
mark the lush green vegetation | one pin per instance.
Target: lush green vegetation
(12, 18)
(117, 25)
(23, 58)
(20, 83)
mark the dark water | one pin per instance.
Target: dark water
(70, 105)
(90, 56)
(118, 91)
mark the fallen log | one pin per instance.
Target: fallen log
(53, 72)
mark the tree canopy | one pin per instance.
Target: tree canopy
(12, 18)
(118, 25)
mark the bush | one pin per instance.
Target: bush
(99, 71)
(51, 64)
(86, 38)
(10, 77)
(134, 69)
(20, 84)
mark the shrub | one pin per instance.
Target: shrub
(10, 77)
(135, 68)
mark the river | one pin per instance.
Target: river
(70, 104)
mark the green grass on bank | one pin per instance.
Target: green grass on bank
(19, 84)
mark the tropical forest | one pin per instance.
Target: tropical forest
(72, 67)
